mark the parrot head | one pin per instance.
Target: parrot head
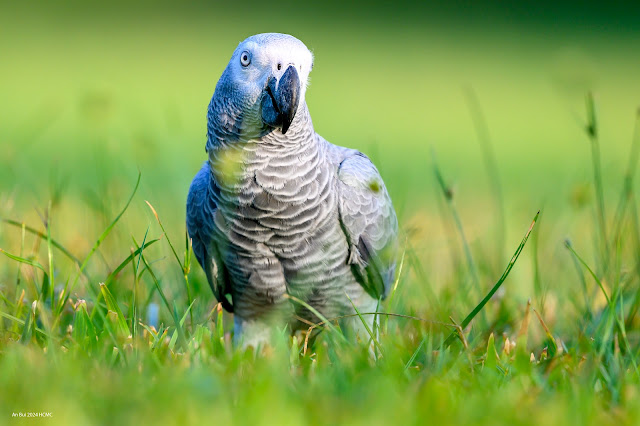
(262, 87)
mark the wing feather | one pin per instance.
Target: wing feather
(369, 221)
(201, 210)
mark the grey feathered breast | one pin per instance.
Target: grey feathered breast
(272, 214)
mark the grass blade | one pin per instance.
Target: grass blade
(627, 188)
(105, 233)
(179, 327)
(172, 312)
(112, 305)
(415, 353)
(314, 311)
(567, 244)
(539, 291)
(185, 266)
(125, 262)
(395, 285)
(550, 338)
(134, 293)
(112, 276)
(366, 326)
(33, 263)
(28, 325)
(50, 259)
(612, 309)
(43, 236)
(23, 322)
(592, 132)
(495, 288)
(490, 163)
(448, 195)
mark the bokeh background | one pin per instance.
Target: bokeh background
(91, 93)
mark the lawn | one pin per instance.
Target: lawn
(477, 119)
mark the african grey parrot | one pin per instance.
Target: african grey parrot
(277, 210)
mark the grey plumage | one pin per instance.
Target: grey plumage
(277, 209)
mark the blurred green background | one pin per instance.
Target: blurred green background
(92, 93)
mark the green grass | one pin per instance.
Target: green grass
(98, 152)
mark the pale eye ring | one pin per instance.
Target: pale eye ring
(245, 58)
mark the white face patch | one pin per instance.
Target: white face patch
(248, 100)
(270, 55)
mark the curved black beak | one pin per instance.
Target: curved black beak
(286, 96)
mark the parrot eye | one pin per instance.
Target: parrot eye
(245, 59)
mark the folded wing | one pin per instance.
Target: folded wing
(201, 208)
(369, 222)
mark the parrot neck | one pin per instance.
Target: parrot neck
(238, 129)
(232, 157)
(300, 133)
